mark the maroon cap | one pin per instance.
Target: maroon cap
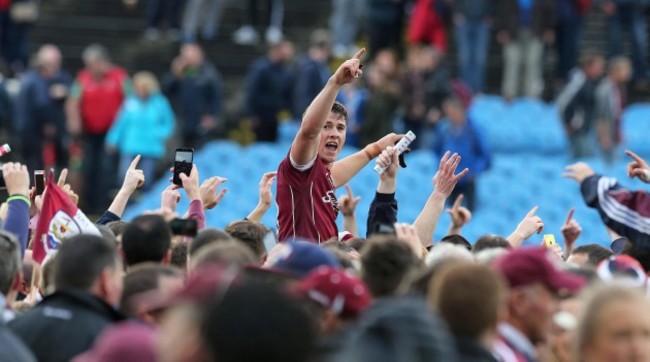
(332, 288)
(525, 266)
(126, 342)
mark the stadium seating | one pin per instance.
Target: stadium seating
(529, 153)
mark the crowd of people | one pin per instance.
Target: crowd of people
(87, 122)
(147, 290)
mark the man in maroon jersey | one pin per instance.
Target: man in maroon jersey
(309, 176)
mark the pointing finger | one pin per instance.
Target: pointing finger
(62, 177)
(458, 202)
(570, 216)
(634, 156)
(349, 191)
(360, 53)
(532, 211)
(134, 163)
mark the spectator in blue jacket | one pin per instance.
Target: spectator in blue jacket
(268, 90)
(142, 127)
(40, 108)
(196, 86)
(458, 134)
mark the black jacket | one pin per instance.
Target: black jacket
(471, 351)
(64, 325)
(382, 213)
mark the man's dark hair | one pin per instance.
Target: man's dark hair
(468, 297)
(595, 253)
(143, 278)
(338, 245)
(117, 227)
(251, 234)
(457, 240)
(81, 260)
(10, 262)
(490, 241)
(206, 237)
(340, 111)
(357, 243)
(254, 322)
(146, 238)
(179, 256)
(385, 264)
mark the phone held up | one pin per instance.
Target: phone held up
(549, 240)
(183, 161)
(39, 181)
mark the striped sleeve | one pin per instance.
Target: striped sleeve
(624, 211)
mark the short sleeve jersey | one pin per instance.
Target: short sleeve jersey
(307, 204)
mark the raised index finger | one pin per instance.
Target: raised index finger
(134, 163)
(458, 202)
(634, 156)
(62, 177)
(349, 190)
(360, 53)
(570, 216)
(532, 211)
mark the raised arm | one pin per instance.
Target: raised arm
(444, 182)
(73, 115)
(383, 209)
(265, 198)
(529, 225)
(348, 204)
(305, 145)
(133, 179)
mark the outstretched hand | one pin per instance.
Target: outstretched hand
(408, 234)
(16, 178)
(446, 178)
(638, 168)
(350, 69)
(348, 203)
(208, 190)
(578, 171)
(389, 140)
(264, 190)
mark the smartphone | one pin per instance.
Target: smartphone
(39, 181)
(549, 240)
(183, 160)
(184, 227)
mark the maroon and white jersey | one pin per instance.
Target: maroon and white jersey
(307, 205)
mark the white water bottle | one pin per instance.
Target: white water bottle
(399, 148)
